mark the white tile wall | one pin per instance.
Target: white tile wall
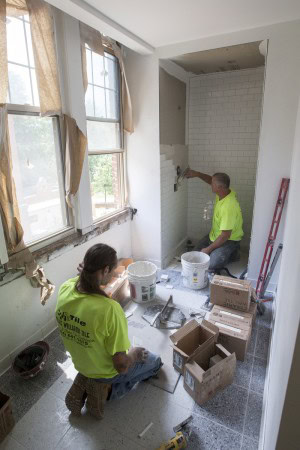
(173, 204)
(224, 123)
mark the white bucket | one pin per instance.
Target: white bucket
(195, 269)
(142, 281)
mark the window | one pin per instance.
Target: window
(35, 142)
(105, 151)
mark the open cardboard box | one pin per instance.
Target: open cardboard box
(6, 417)
(202, 381)
(230, 292)
(189, 339)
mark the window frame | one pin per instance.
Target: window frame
(119, 151)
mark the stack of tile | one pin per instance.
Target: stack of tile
(233, 313)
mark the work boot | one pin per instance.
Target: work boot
(97, 394)
(76, 395)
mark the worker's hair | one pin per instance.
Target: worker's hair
(222, 179)
(96, 258)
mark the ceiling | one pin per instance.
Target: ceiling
(165, 22)
(236, 57)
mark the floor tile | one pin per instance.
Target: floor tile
(227, 407)
(253, 415)
(58, 343)
(55, 366)
(64, 382)
(249, 444)
(208, 435)
(46, 423)
(52, 336)
(243, 372)
(24, 393)
(251, 346)
(159, 408)
(262, 343)
(88, 433)
(258, 375)
(181, 397)
(10, 443)
(264, 321)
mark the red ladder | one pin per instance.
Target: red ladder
(272, 235)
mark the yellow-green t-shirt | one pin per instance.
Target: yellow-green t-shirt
(227, 216)
(93, 329)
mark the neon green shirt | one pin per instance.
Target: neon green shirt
(93, 329)
(227, 216)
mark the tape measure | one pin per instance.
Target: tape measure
(177, 442)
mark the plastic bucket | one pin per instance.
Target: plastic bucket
(142, 281)
(195, 269)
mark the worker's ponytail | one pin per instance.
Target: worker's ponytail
(96, 258)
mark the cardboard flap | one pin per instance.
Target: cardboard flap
(183, 331)
(210, 326)
(223, 350)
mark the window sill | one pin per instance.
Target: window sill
(69, 241)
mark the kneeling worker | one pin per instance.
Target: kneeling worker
(226, 232)
(94, 328)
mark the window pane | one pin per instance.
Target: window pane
(111, 74)
(35, 88)
(103, 135)
(104, 176)
(99, 102)
(89, 101)
(98, 69)
(29, 44)
(19, 85)
(38, 175)
(16, 47)
(112, 102)
(89, 65)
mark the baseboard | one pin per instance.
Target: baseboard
(179, 248)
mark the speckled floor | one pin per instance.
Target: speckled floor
(231, 420)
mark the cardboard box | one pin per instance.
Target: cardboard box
(230, 292)
(234, 337)
(231, 317)
(253, 311)
(6, 417)
(189, 339)
(203, 382)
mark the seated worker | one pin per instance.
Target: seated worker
(94, 328)
(226, 232)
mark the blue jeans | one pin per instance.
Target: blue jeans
(123, 383)
(221, 256)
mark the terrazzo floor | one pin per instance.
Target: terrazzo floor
(231, 420)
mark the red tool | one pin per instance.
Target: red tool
(272, 235)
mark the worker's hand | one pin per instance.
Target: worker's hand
(80, 268)
(206, 250)
(138, 354)
(191, 173)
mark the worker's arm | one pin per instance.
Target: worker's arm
(122, 360)
(224, 236)
(194, 174)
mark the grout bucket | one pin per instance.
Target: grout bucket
(195, 269)
(142, 281)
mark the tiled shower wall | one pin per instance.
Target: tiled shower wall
(224, 123)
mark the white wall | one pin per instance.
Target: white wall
(23, 319)
(286, 320)
(143, 156)
(173, 204)
(224, 119)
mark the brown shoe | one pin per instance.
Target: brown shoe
(76, 395)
